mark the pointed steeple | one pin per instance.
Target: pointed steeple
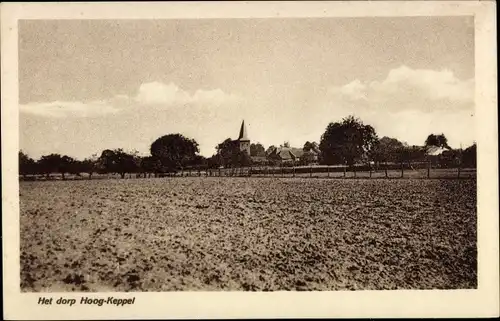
(243, 132)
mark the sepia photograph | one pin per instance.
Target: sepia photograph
(247, 154)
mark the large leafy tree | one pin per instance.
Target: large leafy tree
(229, 154)
(27, 166)
(55, 163)
(225, 152)
(469, 156)
(412, 153)
(308, 146)
(199, 161)
(347, 141)
(118, 161)
(49, 164)
(437, 140)
(387, 149)
(240, 158)
(150, 164)
(89, 165)
(68, 165)
(213, 161)
(174, 150)
(257, 150)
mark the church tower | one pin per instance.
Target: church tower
(243, 140)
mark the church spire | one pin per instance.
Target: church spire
(243, 132)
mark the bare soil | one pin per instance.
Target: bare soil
(252, 234)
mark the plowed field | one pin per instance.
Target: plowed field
(262, 234)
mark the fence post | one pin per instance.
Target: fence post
(293, 169)
(429, 169)
(369, 164)
(385, 168)
(354, 170)
(402, 170)
(328, 170)
(345, 167)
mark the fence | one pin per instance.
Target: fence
(416, 170)
(383, 171)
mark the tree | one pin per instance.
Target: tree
(213, 161)
(107, 161)
(347, 141)
(27, 166)
(469, 156)
(150, 164)
(89, 165)
(240, 158)
(48, 164)
(387, 149)
(229, 154)
(174, 150)
(270, 149)
(225, 152)
(67, 165)
(200, 160)
(412, 153)
(257, 150)
(308, 146)
(55, 163)
(437, 140)
(118, 161)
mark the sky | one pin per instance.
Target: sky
(90, 85)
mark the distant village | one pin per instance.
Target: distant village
(436, 148)
(283, 153)
(345, 143)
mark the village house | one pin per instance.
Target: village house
(290, 155)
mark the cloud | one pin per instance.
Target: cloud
(407, 104)
(121, 97)
(61, 109)
(408, 89)
(153, 93)
(157, 93)
(355, 90)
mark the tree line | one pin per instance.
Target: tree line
(346, 142)
(350, 142)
